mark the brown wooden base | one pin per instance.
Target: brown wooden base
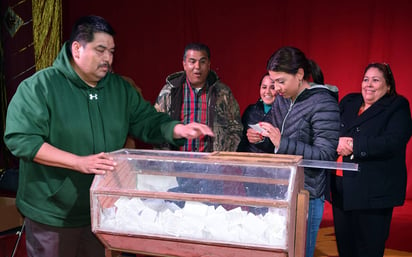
(159, 247)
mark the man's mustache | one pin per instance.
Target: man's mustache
(105, 65)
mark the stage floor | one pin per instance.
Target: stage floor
(397, 245)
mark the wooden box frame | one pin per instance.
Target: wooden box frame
(168, 246)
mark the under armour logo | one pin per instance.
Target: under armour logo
(91, 96)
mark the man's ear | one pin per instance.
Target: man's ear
(76, 49)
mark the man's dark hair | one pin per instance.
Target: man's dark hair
(85, 27)
(197, 47)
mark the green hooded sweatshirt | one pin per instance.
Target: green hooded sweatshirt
(56, 106)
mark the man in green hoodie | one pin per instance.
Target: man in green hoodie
(61, 123)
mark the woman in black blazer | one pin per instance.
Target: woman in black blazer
(375, 128)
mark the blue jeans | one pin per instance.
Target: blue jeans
(315, 214)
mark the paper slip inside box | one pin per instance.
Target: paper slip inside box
(155, 183)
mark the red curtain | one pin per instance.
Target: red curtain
(341, 36)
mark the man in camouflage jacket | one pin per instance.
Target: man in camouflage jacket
(221, 112)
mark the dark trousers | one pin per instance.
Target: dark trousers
(362, 233)
(48, 241)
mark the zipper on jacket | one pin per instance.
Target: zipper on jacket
(290, 109)
(286, 116)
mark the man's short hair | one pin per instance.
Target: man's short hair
(197, 47)
(85, 27)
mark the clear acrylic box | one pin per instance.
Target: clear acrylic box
(172, 203)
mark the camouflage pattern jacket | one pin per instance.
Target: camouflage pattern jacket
(223, 111)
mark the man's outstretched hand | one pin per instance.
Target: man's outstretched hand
(191, 131)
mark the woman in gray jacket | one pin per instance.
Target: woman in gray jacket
(305, 122)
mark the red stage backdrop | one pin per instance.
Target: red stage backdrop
(341, 36)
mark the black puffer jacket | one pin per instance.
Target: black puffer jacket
(253, 114)
(310, 128)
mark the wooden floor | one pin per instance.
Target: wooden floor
(326, 245)
(400, 236)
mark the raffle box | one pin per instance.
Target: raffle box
(219, 204)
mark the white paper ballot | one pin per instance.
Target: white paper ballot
(256, 127)
(196, 220)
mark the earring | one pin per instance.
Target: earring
(300, 83)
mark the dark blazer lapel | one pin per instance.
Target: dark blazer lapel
(376, 109)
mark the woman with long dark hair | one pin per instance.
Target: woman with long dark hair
(306, 123)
